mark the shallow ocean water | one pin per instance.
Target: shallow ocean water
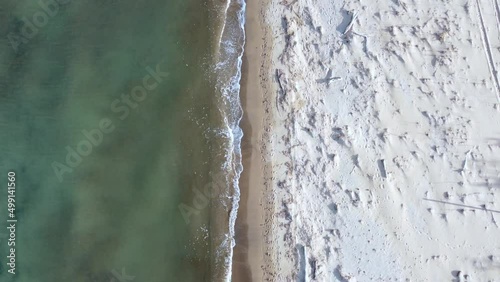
(111, 118)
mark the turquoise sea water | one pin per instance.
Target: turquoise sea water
(120, 120)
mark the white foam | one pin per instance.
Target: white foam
(230, 54)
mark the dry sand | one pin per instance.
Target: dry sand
(375, 148)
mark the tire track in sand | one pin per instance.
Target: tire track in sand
(497, 12)
(487, 50)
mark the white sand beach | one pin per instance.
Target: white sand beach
(379, 140)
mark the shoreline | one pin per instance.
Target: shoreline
(248, 253)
